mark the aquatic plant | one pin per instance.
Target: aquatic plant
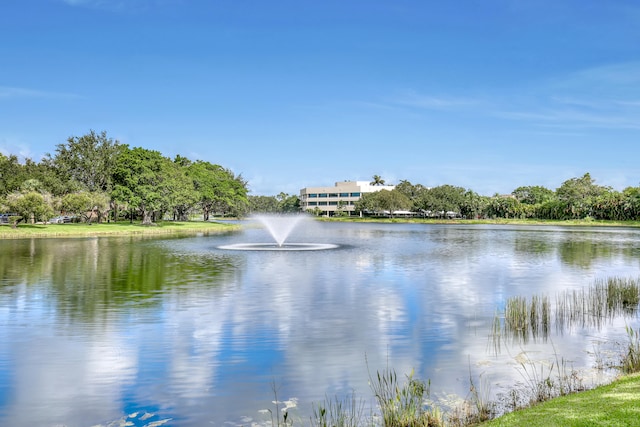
(631, 359)
(336, 412)
(403, 404)
(591, 307)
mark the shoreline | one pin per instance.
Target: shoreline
(25, 231)
(499, 221)
(168, 228)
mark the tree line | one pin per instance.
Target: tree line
(95, 178)
(576, 198)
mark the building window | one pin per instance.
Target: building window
(333, 203)
(322, 195)
(333, 194)
(312, 203)
(355, 194)
(312, 195)
(322, 203)
(344, 194)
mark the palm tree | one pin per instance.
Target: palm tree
(377, 180)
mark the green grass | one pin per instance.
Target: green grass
(500, 221)
(615, 404)
(112, 229)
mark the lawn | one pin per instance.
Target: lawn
(615, 404)
(112, 229)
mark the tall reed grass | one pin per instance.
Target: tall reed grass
(403, 404)
(630, 362)
(605, 300)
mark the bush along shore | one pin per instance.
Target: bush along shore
(551, 394)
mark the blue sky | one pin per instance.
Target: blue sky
(487, 95)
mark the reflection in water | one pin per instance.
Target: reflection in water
(96, 329)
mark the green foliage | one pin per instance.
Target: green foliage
(138, 178)
(219, 189)
(402, 404)
(347, 412)
(263, 204)
(179, 195)
(579, 194)
(78, 204)
(615, 404)
(631, 359)
(472, 205)
(504, 207)
(384, 200)
(88, 161)
(86, 205)
(147, 183)
(12, 174)
(533, 195)
(288, 203)
(31, 206)
(444, 198)
(377, 180)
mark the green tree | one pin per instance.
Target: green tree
(88, 160)
(533, 195)
(47, 176)
(11, 174)
(368, 204)
(86, 205)
(264, 204)
(178, 189)
(392, 201)
(219, 189)
(78, 204)
(288, 203)
(377, 180)
(442, 199)
(413, 192)
(632, 203)
(504, 207)
(383, 200)
(472, 205)
(579, 194)
(31, 206)
(138, 180)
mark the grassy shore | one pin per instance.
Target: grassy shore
(113, 229)
(194, 227)
(615, 404)
(498, 221)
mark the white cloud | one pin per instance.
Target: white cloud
(431, 102)
(13, 146)
(19, 92)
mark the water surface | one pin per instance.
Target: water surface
(94, 329)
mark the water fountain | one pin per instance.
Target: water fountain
(280, 227)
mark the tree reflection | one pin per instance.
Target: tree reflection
(89, 278)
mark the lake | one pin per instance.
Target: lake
(95, 329)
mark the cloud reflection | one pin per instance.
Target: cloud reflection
(207, 334)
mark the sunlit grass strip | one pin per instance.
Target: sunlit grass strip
(498, 221)
(112, 229)
(615, 404)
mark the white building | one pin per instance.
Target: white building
(343, 196)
